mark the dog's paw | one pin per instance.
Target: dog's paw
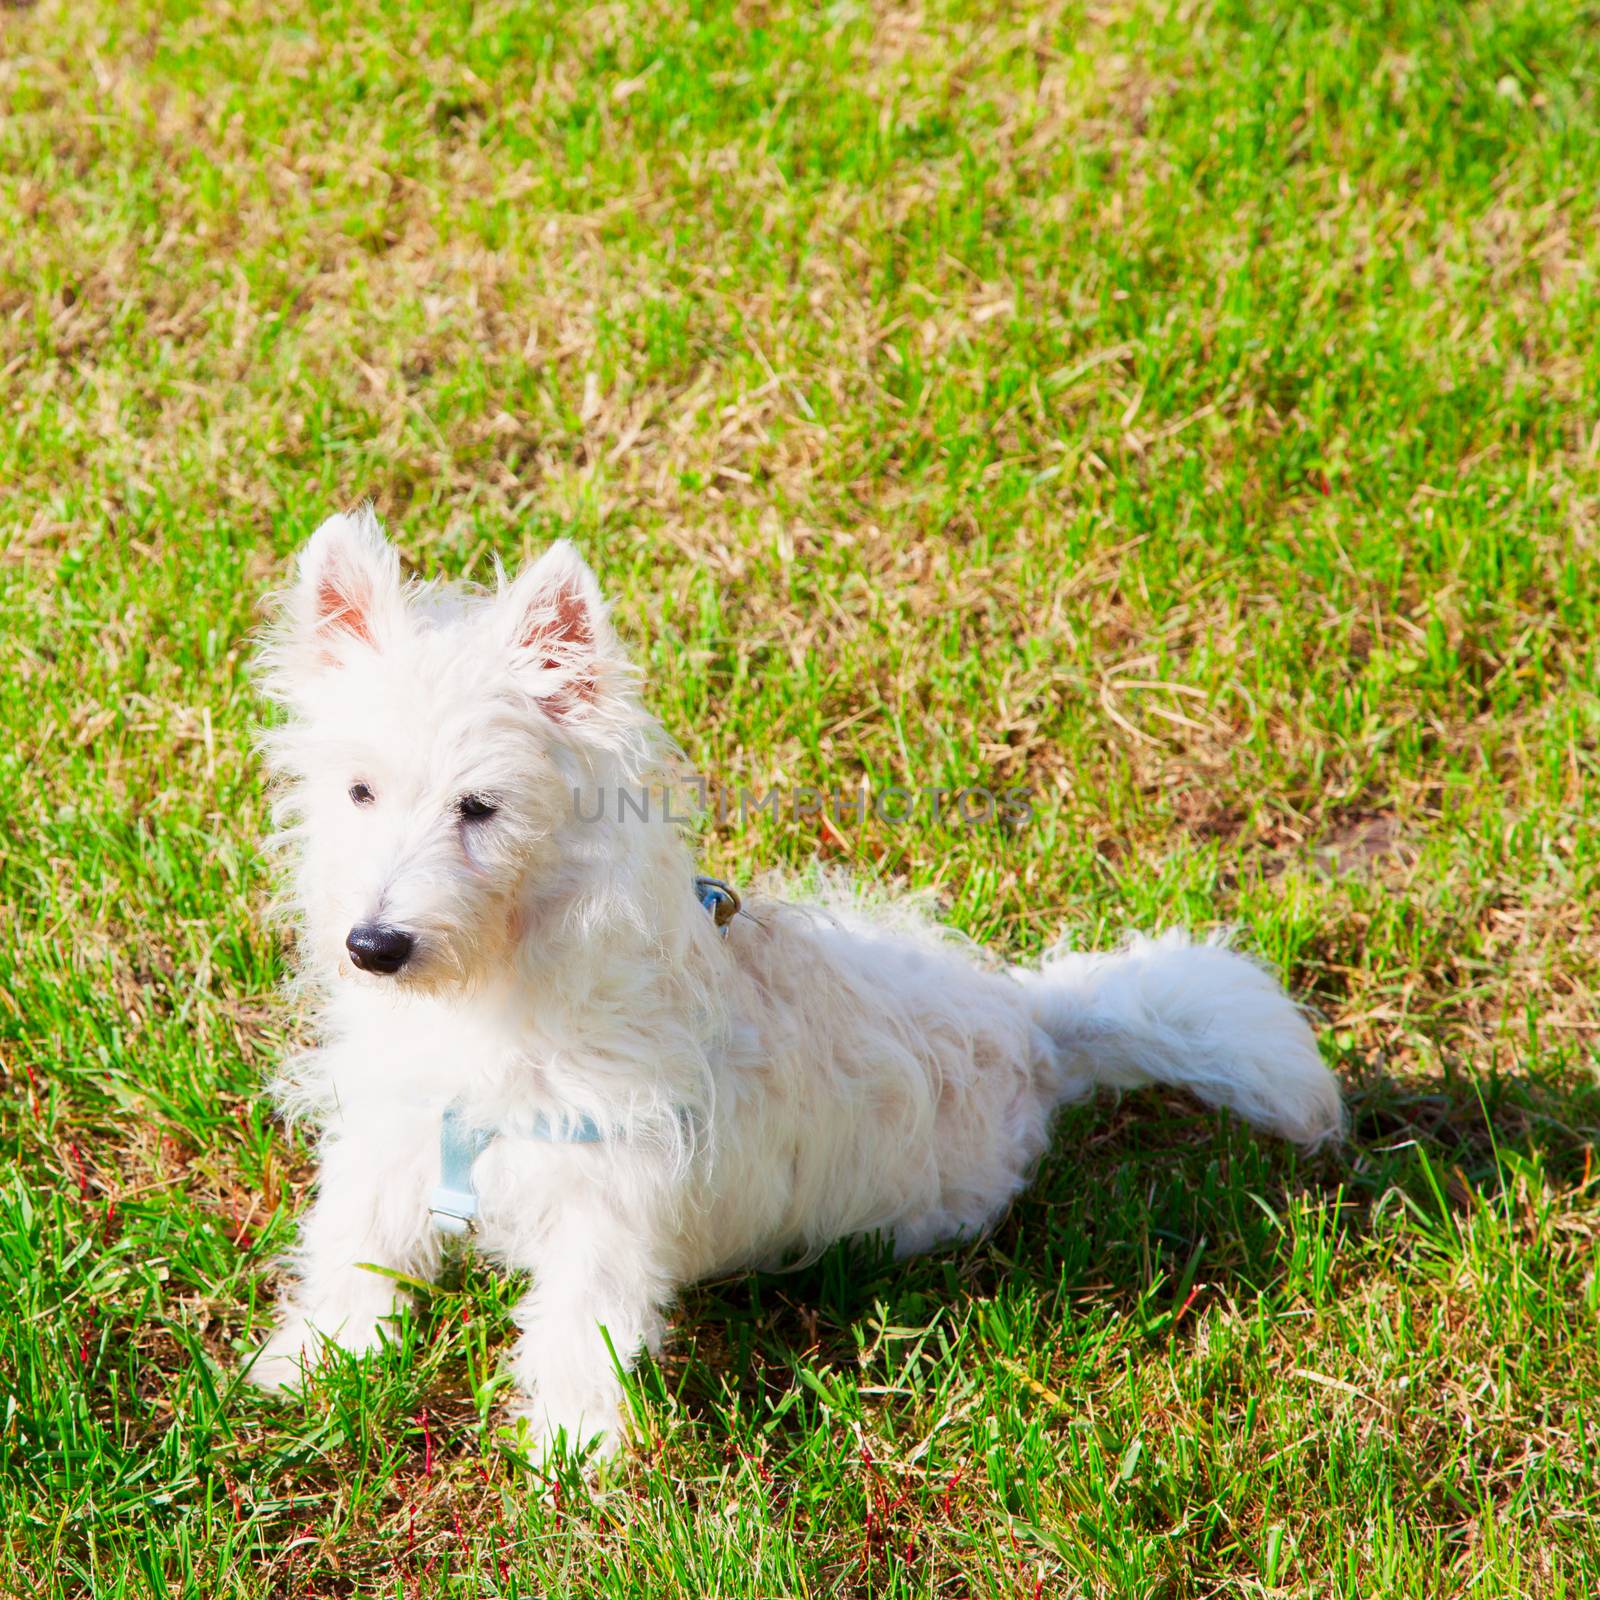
(301, 1341)
(592, 1430)
(284, 1361)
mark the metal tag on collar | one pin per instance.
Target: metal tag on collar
(719, 899)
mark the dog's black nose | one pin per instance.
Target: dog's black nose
(375, 948)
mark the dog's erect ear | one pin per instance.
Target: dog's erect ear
(561, 643)
(349, 593)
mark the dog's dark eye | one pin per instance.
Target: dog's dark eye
(474, 808)
(361, 794)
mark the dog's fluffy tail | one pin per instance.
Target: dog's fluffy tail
(1168, 1010)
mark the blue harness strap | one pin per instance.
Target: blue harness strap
(454, 1201)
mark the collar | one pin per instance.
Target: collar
(454, 1201)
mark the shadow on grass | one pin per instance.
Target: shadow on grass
(1139, 1206)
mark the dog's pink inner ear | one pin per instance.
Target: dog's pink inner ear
(559, 632)
(339, 606)
(346, 602)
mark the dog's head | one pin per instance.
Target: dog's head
(433, 747)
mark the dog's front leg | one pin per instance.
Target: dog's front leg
(599, 1288)
(370, 1210)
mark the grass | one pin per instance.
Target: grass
(1185, 411)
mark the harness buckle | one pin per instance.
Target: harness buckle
(453, 1223)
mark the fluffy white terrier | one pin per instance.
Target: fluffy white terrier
(741, 1096)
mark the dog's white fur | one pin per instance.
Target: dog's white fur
(819, 1072)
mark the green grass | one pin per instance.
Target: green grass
(1186, 411)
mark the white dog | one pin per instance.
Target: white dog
(532, 1026)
